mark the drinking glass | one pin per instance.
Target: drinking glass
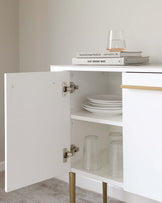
(116, 155)
(116, 41)
(91, 153)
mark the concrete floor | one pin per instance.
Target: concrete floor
(50, 191)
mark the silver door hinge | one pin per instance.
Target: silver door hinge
(69, 88)
(68, 154)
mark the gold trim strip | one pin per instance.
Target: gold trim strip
(141, 87)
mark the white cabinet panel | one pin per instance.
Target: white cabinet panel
(37, 127)
(142, 136)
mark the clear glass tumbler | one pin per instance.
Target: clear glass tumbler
(116, 41)
(116, 155)
(91, 153)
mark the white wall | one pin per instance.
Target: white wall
(51, 31)
(82, 25)
(8, 52)
(33, 29)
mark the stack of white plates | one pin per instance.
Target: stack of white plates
(103, 104)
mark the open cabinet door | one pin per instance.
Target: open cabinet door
(37, 128)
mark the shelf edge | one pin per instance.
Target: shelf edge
(95, 120)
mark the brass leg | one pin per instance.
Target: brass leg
(72, 187)
(104, 187)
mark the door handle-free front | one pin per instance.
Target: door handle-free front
(151, 88)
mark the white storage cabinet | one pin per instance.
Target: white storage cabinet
(43, 120)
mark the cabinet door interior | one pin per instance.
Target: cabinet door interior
(37, 127)
(142, 135)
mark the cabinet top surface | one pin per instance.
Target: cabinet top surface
(142, 68)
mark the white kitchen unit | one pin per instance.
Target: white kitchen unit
(42, 121)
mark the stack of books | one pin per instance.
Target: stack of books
(110, 58)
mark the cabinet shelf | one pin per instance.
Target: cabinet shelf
(101, 175)
(115, 119)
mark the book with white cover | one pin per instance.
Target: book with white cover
(108, 54)
(110, 61)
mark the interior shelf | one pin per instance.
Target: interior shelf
(101, 175)
(112, 119)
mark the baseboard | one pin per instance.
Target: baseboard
(2, 166)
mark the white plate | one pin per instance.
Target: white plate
(104, 102)
(105, 105)
(100, 108)
(104, 99)
(103, 111)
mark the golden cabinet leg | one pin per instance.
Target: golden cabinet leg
(72, 187)
(104, 187)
